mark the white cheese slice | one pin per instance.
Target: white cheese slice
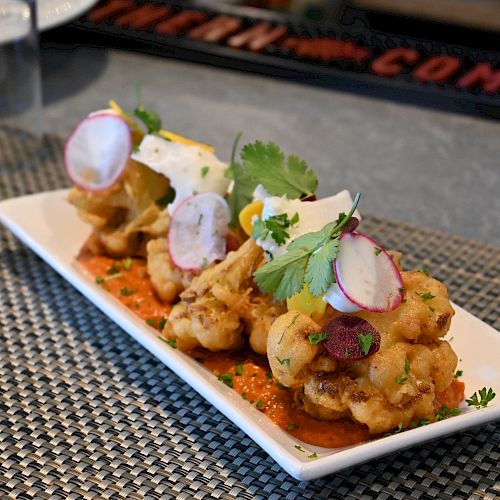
(190, 169)
(313, 215)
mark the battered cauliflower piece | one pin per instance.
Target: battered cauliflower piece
(124, 216)
(221, 305)
(168, 280)
(397, 384)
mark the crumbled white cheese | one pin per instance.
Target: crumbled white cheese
(190, 169)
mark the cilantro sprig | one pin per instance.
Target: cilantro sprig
(265, 164)
(276, 225)
(481, 401)
(308, 259)
(150, 118)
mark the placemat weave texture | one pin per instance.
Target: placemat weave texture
(85, 412)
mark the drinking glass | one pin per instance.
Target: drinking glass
(20, 86)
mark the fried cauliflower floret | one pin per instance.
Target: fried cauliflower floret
(289, 351)
(396, 384)
(221, 305)
(168, 280)
(424, 316)
(124, 216)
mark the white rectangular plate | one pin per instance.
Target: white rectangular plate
(50, 227)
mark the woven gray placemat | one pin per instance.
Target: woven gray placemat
(85, 412)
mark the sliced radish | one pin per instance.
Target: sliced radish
(97, 151)
(198, 229)
(366, 276)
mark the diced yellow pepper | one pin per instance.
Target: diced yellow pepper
(246, 214)
(170, 136)
(307, 303)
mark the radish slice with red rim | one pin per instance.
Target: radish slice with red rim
(97, 151)
(197, 232)
(366, 276)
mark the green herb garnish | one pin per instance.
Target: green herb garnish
(291, 427)
(407, 365)
(265, 163)
(204, 170)
(425, 296)
(377, 251)
(298, 447)
(365, 342)
(276, 225)
(259, 404)
(313, 456)
(126, 292)
(128, 264)
(167, 198)
(238, 369)
(113, 270)
(226, 378)
(162, 323)
(151, 322)
(285, 361)
(483, 399)
(458, 373)
(445, 412)
(401, 380)
(308, 259)
(316, 338)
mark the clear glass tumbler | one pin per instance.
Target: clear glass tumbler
(20, 85)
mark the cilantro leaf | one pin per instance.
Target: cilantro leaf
(150, 119)
(483, 399)
(167, 198)
(284, 275)
(445, 412)
(319, 271)
(277, 225)
(365, 342)
(242, 192)
(316, 338)
(265, 163)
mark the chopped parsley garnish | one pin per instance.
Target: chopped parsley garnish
(171, 342)
(128, 264)
(316, 338)
(162, 323)
(285, 361)
(226, 378)
(407, 365)
(126, 292)
(150, 118)
(204, 170)
(298, 447)
(377, 251)
(269, 375)
(396, 430)
(458, 373)
(259, 404)
(99, 280)
(425, 296)
(401, 380)
(365, 342)
(280, 386)
(276, 225)
(483, 399)
(291, 427)
(238, 369)
(113, 270)
(167, 198)
(445, 412)
(308, 259)
(420, 423)
(312, 456)
(151, 322)
(424, 271)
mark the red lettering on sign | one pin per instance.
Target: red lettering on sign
(391, 62)
(437, 69)
(484, 75)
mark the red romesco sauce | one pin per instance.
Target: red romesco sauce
(128, 281)
(252, 379)
(249, 374)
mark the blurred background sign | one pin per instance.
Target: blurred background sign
(438, 53)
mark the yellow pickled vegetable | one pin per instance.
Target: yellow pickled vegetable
(246, 214)
(307, 303)
(170, 136)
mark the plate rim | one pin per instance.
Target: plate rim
(218, 396)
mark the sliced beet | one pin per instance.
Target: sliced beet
(344, 338)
